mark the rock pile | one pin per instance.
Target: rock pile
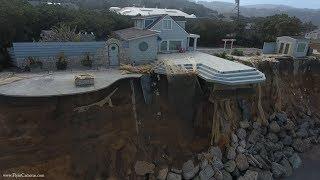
(255, 152)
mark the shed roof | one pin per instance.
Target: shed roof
(134, 33)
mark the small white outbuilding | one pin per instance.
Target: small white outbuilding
(296, 47)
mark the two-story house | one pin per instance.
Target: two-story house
(156, 34)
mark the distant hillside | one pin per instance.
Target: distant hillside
(262, 10)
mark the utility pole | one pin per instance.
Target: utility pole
(238, 14)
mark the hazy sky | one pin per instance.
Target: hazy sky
(314, 4)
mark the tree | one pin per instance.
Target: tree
(62, 33)
(278, 25)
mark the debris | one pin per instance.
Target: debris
(99, 103)
(162, 175)
(142, 168)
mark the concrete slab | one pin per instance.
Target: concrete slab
(213, 69)
(60, 83)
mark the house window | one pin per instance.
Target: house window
(286, 50)
(164, 46)
(139, 24)
(301, 47)
(143, 46)
(281, 48)
(167, 24)
(174, 45)
(147, 22)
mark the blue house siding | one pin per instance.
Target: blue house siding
(46, 49)
(141, 57)
(48, 53)
(176, 33)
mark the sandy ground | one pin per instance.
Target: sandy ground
(310, 166)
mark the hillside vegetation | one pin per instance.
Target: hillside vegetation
(264, 10)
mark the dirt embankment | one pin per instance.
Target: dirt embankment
(47, 136)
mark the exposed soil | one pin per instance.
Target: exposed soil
(46, 136)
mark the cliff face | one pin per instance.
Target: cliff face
(82, 137)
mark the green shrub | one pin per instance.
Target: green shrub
(62, 63)
(237, 52)
(222, 55)
(33, 63)
(87, 62)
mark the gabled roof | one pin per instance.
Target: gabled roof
(156, 21)
(136, 11)
(161, 18)
(134, 33)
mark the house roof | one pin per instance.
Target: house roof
(134, 33)
(156, 21)
(136, 11)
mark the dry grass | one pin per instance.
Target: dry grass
(173, 69)
(141, 69)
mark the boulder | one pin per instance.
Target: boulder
(242, 162)
(206, 173)
(218, 175)
(162, 175)
(265, 175)
(240, 149)
(254, 136)
(243, 143)
(290, 125)
(142, 168)
(295, 161)
(249, 175)
(301, 145)
(226, 175)
(217, 164)
(177, 171)
(231, 153)
(230, 166)
(234, 138)
(204, 163)
(274, 127)
(302, 132)
(288, 151)
(277, 169)
(244, 124)
(215, 152)
(287, 140)
(189, 170)
(173, 176)
(272, 137)
(278, 155)
(241, 133)
(288, 169)
(256, 125)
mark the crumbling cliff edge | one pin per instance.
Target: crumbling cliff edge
(125, 132)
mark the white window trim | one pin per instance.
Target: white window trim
(168, 45)
(163, 27)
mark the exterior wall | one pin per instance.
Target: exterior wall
(286, 40)
(269, 48)
(293, 51)
(141, 57)
(176, 33)
(74, 52)
(305, 52)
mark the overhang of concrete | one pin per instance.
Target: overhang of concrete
(213, 69)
